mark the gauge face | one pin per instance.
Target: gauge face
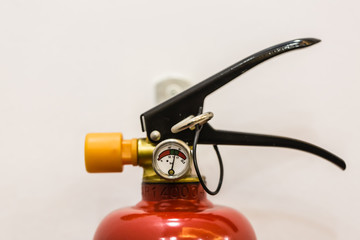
(171, 159)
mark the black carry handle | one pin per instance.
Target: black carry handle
(212, 136)
(162, 117)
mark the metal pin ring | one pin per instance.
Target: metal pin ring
(191, 122)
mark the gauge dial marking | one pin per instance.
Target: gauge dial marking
(174, 152)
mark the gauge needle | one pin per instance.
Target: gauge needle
(171, 171)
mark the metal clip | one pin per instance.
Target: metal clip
(191, 122)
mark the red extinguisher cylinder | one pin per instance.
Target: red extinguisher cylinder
(174, 212)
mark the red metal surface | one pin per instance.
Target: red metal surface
(174, 212)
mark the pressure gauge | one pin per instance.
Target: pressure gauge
(171, 159)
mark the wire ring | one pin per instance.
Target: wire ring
(196, 139)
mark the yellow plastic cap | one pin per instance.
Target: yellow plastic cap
(108, 152)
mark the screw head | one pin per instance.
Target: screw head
(155, 135)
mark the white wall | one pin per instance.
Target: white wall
(72, 67)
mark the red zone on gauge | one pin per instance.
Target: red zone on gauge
(171, 152)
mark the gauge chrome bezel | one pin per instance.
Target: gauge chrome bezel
(183, 146)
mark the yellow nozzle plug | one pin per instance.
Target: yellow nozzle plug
(108, 152)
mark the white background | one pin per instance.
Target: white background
(72, 67)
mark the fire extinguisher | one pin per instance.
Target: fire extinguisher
(174, 203)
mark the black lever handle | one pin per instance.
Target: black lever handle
(162, 117)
